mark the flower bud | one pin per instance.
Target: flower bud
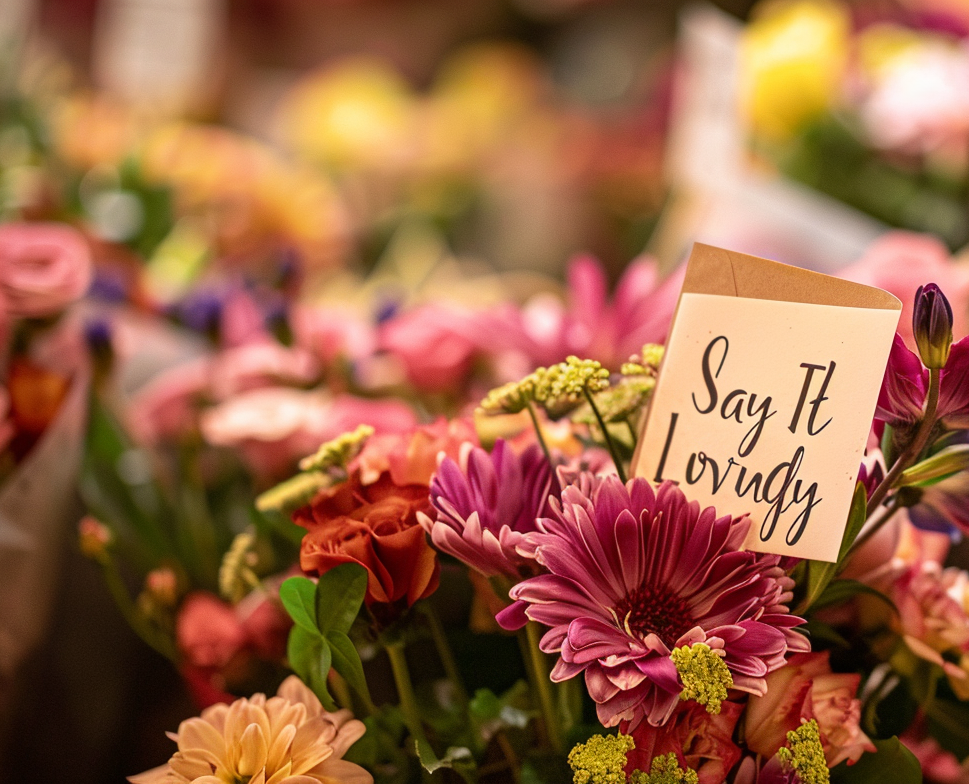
(94, 538)
(932, 325)
(944, 463)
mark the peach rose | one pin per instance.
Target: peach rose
(44, 267)
(807, 689)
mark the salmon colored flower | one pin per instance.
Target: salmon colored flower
(806, 689)
(411, 457)
(286, 739)
(375, 526)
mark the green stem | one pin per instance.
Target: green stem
(408, 700)
(543, 685)
(874, 528)
(445, 654)
(538, 432)
(632, 432)
(148, 633)
(605, 434)
(909, 455)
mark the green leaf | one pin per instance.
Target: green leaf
(346, 661)
(892, 762)
(458, 758)
(857, 515)
(820, 573)
(339, 594)
(309, 656)
(840, 591)
(298, 595)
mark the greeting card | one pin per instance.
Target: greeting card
(765, 395)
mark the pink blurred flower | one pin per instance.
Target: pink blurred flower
(44, 267)
(331, 333)
(900, 262)
(635, 573)
(435, 343)
(208, 632)
(275, 426)
(260, 364)
(806, 689)
(591, 324)
(701, 741)
(166, 408)
(486, 504)
(241, 320)
(938, 765)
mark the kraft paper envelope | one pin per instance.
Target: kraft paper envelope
(766, 395)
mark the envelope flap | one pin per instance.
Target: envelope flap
(728, 273)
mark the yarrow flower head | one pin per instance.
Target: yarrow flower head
(286, 739)
(559, 388)
(600, 760)
(337, 452)
(665, 769)
(485, 506)
(805, 755)
(635, 573)
(706, 679)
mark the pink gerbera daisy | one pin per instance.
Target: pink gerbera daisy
(634, 574)
(485, 508)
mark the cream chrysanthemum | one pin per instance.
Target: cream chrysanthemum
(286, 739)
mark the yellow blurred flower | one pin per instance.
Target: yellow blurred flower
(793, 59)
(286, 739)
(357, 113)
(879, 45)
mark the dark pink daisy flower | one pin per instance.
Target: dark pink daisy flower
(484, 510)
(634, 574)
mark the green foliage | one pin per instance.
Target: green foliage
(323, 614)
(892, 762)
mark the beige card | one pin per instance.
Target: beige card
(766, 395)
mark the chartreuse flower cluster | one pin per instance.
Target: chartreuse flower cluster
(324, 468)
(805, 754)
(236, 575)
(602, 760)
(665, 769)
(559, 388)
(704, 674)
(337, 452)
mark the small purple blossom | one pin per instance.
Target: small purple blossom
(484, 510)
(634, 573)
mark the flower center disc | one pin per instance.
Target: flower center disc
(655, 610)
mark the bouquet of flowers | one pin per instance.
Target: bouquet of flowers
(494, 600)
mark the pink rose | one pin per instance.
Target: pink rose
(900, 262)
(806, 689)
(44, 267)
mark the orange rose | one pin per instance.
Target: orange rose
(376, 526)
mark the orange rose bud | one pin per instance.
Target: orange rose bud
(376, 526)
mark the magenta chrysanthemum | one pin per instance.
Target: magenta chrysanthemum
(634, 574)
(484, 511)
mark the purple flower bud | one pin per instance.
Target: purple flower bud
(932, 325)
